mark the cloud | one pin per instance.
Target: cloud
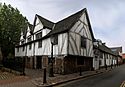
(106, 16)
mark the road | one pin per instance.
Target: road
(113, 78)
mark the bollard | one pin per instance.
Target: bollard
(80, 71)
(111, 66)
(106, 67)
(44, 76)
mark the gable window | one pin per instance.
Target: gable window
(23, 48)
(83, 42)
(29, 39)
(18, 49)
(101, 55)
(22, 42)
(38, 35)
(39, 43)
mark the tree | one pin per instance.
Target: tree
(12, 22)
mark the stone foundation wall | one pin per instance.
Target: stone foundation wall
(58, 65)
(44, 61)
(70, 65)
(29, 62)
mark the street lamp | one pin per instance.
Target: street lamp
(51, 59)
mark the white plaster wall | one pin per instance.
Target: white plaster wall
(60, 49)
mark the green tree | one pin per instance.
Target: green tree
(12, 22)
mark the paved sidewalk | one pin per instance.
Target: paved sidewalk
(6, 75)
(37, 80)
(10, 80)
(59, 79)
(20, 84)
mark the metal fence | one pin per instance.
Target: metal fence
(14, 64)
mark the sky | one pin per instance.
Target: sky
(107, 17)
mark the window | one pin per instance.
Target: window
(40, 44)
(23, 48)
(101, 55)
(80, 61)
(22, 42)
(100, 62)
(18, 49)
(55, 42)
(106, 56)
(39, 35)
(83, 42)
(29, 39)
(30, 46)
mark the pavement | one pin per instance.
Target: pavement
(8, 79)
(34, 78)
(60, 79)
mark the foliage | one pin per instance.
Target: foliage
(11, 24)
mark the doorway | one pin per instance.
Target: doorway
(39, 62)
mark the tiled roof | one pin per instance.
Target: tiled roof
(116, 49)
(67, 23)
(45, 22)
(106, 49)
(30, 26)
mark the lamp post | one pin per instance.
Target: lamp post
(51, 59)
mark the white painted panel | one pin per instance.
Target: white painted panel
(82, 18)
(96, 63)
(45, 32)
(28, 32)
(78, 43)
(55, 50)
(75, 26)
(79, 28)
(38, 25)
(62, 43)
(20, 53)
(74, 42)
(82, 51)
(60, 49)
(30, 51)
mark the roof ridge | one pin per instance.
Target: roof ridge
(72, 15)
(44, 18)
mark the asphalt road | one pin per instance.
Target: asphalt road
(113, 78)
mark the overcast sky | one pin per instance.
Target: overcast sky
(107, 16)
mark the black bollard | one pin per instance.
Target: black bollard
(106, 67)
(80, 71)
(111, 66)
(44, 75)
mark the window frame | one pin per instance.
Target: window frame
(83, 42)
(23, 48)
(39, 43)
(38, 35)
(29, 39)
(18, 49)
